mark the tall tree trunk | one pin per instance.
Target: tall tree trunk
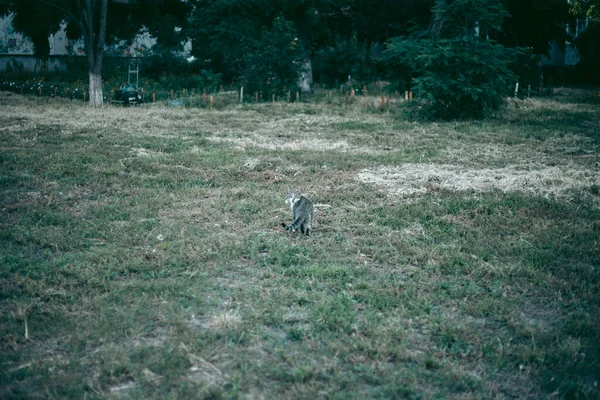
(95, 88)
(94, 20)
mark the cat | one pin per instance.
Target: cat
(302, 212)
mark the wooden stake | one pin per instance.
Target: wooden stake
(273, 97)
(410, 95)
(297, 97)
(172, 94)
(54, 92)
(346, 98)
(352, 92)
(365, 90)
(40, 91)
(212, 101)
(84, 95)
(153, 97)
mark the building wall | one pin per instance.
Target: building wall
(31, 63)
(13, 44)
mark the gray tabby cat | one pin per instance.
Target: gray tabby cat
(302, 212)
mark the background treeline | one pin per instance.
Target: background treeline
(459, 57)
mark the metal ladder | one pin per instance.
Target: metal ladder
(134, 68)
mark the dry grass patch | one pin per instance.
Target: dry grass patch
(229, 319)
(412, 180)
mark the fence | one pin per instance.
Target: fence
(372, 96)
(369, 97)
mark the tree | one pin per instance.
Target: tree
(222, 29)
(460, 73)
(588, 41)
(378, 20)
(587, 9)
(534, 24)
(273, 63)
(36, 23)
(345, 57)
(89, 19)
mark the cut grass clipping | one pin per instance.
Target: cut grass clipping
(141, 253)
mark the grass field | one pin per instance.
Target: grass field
(141, 252)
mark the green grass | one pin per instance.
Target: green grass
(141, 253)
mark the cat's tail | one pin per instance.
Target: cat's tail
(288, 227)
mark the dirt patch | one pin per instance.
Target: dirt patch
(412, 180)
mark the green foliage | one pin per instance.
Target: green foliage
(14, 68)
(223, 30)
(34, 21)
(467, 17)
(273, 64)
(586, 9)
(588, 45)
(459, 73)
(458, 78)
(534, 24)
(344, 57)
(171, 71)
(588, 42)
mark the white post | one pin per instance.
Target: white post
(516, 89)
(242, 95)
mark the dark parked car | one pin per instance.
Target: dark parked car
(128, 95)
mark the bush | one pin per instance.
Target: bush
(459, 73)
(14, 67)
(458, 78)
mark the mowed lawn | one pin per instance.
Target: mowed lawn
(142, 256)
